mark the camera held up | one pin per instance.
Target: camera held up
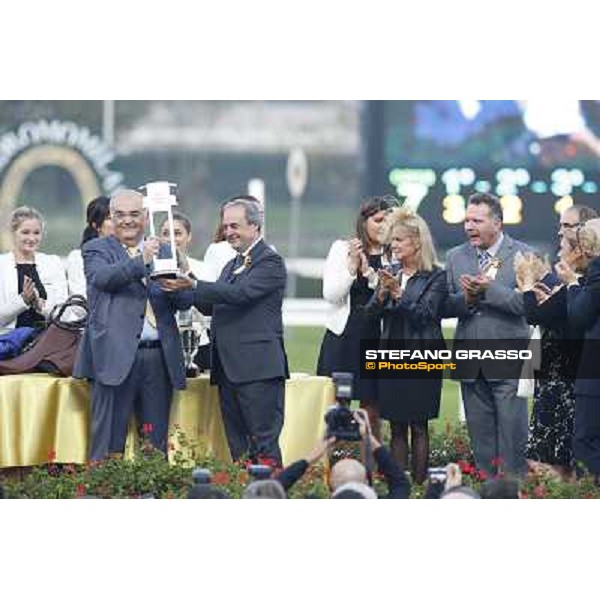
(339, 419)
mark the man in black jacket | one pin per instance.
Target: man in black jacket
(349, 470)
(248, 359)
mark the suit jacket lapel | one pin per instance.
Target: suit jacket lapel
(255, 254)
(470, 254)
(504, 255)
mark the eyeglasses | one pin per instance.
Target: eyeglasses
(120, 216)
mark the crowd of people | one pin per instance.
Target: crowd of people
(384, 284)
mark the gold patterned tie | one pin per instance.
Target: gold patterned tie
(149, 314)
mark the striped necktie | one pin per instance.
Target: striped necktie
(484, 258)
(149, 313)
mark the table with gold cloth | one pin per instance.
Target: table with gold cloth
(42, 414)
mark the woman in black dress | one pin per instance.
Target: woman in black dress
(349, 278)
(410, 299)
(545, 300)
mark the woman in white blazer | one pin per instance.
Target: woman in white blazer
(98, 224)
(349, 278)
(32, 283)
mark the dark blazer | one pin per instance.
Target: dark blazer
(416, 316)
(117, 302)
(583, 305)
(414, 319)
(247, 325)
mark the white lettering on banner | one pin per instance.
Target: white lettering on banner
(60, 133)
(447, 354)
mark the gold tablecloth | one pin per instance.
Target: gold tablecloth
(42, 415)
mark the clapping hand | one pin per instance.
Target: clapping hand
(542, 292)
(390, 284)
(29, 293)
(565, 272)
(356, 257)
(471, 286)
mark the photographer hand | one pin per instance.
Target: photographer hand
(364, 427)
(453, 476)
(319, 450)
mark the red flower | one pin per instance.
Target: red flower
(466, 468)
(539, 491)
(524, 495)
(220, 478)
(147, 428)
(482, 475)
(268, 461)
(496, 462)
(51, 455)
(81, 490)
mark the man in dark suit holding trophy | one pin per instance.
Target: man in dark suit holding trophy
(130, 348)
(248, 358)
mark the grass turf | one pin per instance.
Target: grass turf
(302, 345)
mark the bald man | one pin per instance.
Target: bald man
(130, 349)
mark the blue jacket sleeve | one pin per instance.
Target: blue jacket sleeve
(264, 278)
(107, 276)
(428, 308)
(583, 303)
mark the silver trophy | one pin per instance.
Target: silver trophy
(190, 340)
(159, 200)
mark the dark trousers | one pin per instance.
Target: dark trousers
(253, 417)
(586, 438)
(147, 390)
(498, 424)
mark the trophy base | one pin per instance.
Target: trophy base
(166, 275)
(191, 372)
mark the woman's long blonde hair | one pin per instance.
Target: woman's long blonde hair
(416, 228)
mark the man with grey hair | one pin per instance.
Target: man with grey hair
(248, 358)
(267, 489)
(130, 349)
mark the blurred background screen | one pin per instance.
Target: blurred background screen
(539, 156)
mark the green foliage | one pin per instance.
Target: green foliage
(148, 473)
